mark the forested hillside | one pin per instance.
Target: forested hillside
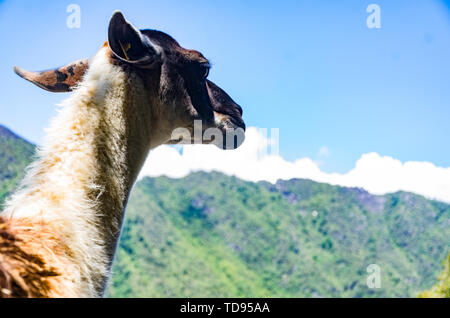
(213, 235)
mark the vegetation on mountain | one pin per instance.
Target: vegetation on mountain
(210, 235)
(15, 154)
(442, 288)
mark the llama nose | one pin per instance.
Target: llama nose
(239, 109)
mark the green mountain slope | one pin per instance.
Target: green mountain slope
(210, 235)
(15, 155)
(442, 287)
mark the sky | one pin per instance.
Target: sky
(336, 89)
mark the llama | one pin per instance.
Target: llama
(59, 231)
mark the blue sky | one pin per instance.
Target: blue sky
(310, 68)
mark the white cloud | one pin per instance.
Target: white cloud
(376, 174)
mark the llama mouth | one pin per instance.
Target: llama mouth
(229, 122)
(233, 131)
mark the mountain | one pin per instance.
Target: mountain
(211, 235)
(15, 154)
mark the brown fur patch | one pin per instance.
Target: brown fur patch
(25, 269)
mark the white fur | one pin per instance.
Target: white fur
(58, 184)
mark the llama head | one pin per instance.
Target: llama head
(186, 107)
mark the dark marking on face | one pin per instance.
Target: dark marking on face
(60, 87)
(60, 76)
(70, 70)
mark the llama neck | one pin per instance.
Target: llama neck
(94, 150)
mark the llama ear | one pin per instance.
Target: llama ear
(129, 44)
(59, 80)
